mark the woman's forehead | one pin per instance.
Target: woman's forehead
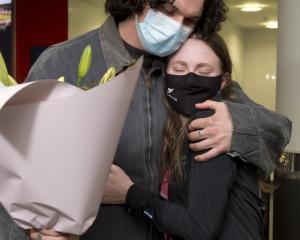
(194, 49)
(193, 53)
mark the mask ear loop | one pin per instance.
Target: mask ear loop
(136, 19)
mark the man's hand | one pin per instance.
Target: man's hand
(117, 185)
(50, 235)
(213, 133)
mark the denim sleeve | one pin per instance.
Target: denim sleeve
(62, 59)
(8, 229)
(34, 74)
(260, 135)
(51, 64)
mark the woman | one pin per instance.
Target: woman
(218, 199)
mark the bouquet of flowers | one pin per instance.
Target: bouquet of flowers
(57, 143)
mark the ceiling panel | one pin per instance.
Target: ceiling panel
(252, 20)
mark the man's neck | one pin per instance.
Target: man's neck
(128, 32)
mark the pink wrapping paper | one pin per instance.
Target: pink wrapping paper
(57, 143)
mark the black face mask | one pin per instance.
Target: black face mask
(184, 91)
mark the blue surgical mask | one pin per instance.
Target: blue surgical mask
(161, 35)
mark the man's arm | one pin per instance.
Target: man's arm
(258, 135)
(52, 64)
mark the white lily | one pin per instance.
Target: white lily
(84, 63)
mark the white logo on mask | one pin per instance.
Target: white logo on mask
(169, 91)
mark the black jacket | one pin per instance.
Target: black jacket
(219, 200)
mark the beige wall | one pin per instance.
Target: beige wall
(253, 53)
(234, 38)
(288, 96)
(84, 16)
(260, 66)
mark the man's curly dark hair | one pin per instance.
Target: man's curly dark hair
(214, 12)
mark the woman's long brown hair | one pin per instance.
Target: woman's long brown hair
(175, 131)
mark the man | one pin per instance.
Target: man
(157, 28)
(8, 229)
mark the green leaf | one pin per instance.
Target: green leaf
(3, 72)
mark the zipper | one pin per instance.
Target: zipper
(149, 123)
(147, 78)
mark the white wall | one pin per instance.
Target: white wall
(260, 66)
(234, 38)
(84, 16)
(288, 83)
(253, 53)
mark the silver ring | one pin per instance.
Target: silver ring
(39, 236)
(200, 132)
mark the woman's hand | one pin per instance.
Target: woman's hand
(51, 235)
(117, 185)
(213, 133)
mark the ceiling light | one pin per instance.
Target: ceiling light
(271, 24)
(251, 7)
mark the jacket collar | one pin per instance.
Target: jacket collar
(113, 49)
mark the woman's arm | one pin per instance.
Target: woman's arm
(202, 218)
(260, 135)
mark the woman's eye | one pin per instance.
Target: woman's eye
(179, 69)
(203, 72)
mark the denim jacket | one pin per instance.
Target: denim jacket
(259, 135)
(8, 229)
